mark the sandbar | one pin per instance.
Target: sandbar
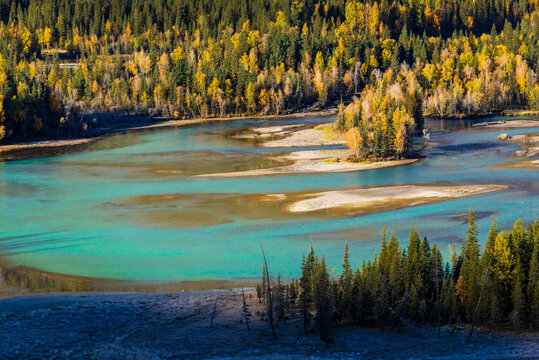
(384, 197)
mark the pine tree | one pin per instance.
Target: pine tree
(293, 294)
(467, 286)
(396, 276)
(279, 300)
(533, 278)
(436, 274)
(345, 296)
(449, 300)
(322, 299)
(518, 300)
(490, 308)
(305, 285)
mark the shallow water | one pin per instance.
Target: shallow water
(128, 207)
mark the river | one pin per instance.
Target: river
(128, 207)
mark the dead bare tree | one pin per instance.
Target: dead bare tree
(245, 309)
(484, 288)
(213, 312)
(270, 305)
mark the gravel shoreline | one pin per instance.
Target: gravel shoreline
(179, 325)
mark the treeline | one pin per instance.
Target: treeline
(91, 16)
(496, 286)
(185, 58)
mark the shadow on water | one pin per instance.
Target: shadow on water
(38, 281)
(11, 245)
(469, 147)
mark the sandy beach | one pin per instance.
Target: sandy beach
(294, 135)
(527, 164)
(314, 161)
(386, 197)
(304, 138)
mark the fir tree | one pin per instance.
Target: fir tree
(305, 284)
(467, 284)
(322, 299)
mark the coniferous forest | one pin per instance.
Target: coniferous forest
(152, 150)
(497, 286)
(391, 61)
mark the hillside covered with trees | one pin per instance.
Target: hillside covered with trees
(497, 286)
(397, 60)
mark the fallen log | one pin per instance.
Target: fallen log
(408, 325)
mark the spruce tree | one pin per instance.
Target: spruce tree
(533, 278)
(345, 286)
(468, 288)
(322, 299)
(518, 300)
(490, 307)
(293, 294)
(436, 275)
(279, 301)
(305, 285)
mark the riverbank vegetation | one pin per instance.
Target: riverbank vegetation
(495, 287)
(188, 59)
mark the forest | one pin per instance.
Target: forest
(388, 63)
(497, 286)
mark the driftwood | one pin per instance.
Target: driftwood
(408, 325)
(213, 312)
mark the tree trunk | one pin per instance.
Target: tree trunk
(213, 312)
(437, 299)
(483, 280)
(270, 305)
(412, 328)
(244, 310)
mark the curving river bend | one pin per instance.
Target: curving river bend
(128, 207)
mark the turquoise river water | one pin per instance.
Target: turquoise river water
(128, 207)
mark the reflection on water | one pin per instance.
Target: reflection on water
(128, 208)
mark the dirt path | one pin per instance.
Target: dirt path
(161, 326)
